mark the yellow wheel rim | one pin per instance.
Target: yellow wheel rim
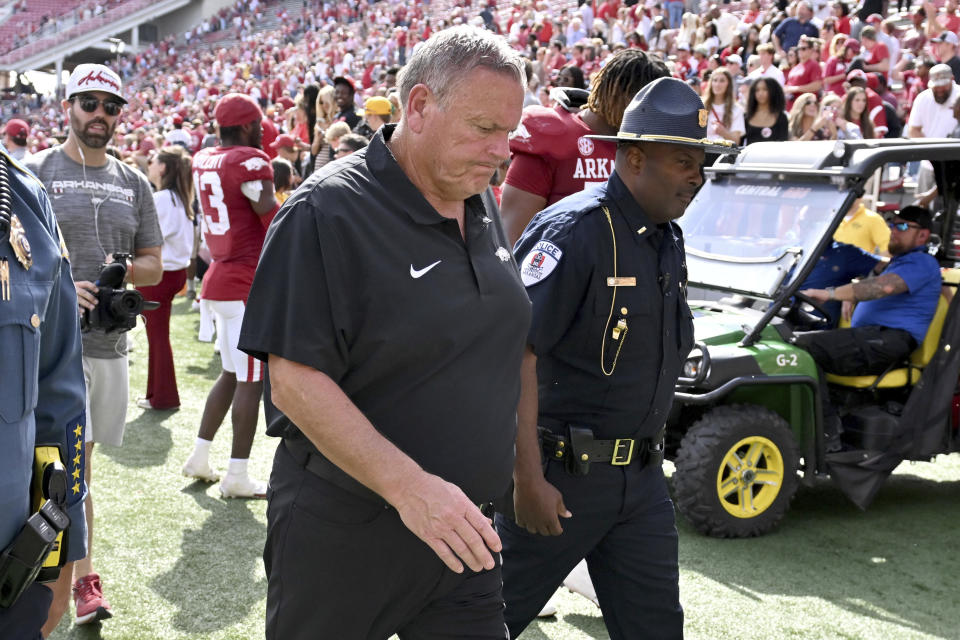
(750, 477)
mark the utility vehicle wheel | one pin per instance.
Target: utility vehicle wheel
(736, 471)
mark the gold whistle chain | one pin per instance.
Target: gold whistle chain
(613, 304)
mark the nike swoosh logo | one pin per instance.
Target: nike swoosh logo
(416, 273)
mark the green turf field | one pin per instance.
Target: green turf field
(179, 562)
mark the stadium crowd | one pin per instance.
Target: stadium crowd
(875, 63)
(324, 81)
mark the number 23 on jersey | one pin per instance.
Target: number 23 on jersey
(216, 219)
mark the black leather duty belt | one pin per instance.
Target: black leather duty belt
(578, 449)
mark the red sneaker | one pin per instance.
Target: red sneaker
(89, 601)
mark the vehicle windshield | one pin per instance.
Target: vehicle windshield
(747, 235)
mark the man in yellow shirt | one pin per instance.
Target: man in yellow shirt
(865, 229)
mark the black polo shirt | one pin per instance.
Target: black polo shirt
(566, 256)
(362, 279)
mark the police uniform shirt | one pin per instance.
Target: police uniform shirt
(363, 280)
(41, 374)
(566, 256)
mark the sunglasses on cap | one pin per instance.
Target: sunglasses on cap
(902, 226)
(90, 104)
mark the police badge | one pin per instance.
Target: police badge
(19, 242)
(702, 113)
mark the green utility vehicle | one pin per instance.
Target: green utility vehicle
(746, 425)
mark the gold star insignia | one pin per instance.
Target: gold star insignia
(78, 431)
(77, 445)
(76, 487)
(76, 473)
(76, 460)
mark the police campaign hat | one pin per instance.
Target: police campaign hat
(668, 111)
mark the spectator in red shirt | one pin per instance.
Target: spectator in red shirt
(878, 56)
(805, 77)
(916, 81)
(608, 10)
(835, 71)
(842, 13)
(948, 18)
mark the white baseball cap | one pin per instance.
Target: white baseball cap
(940, 76)
(947, 36)
(94, 77)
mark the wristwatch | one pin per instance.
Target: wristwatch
(832, 292)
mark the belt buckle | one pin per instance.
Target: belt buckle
(620, 459)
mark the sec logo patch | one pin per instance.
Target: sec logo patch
(585, 145)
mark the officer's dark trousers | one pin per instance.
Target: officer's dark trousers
(623, 524)
(23, 620)
(346, 568)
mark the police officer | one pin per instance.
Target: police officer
(41, 386)
(605, 271)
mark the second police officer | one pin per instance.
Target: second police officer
(42, 418)
(611, 328)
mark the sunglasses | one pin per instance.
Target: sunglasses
(90, 104)
(802, 48)
(902, 226)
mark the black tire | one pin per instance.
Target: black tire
(698, 477)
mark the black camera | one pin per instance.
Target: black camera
(117, 307)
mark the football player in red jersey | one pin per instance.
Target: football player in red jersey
(551, 155)
(234, 183)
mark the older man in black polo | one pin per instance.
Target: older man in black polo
(393, 318)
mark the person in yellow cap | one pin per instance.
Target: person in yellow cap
(377, 111)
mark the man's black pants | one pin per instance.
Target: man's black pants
(853, 352)
(858, 351)
(345, 567)
(623, 524)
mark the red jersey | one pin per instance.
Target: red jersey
(232, 229)
(552, 158)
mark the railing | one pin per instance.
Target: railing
(110, 15)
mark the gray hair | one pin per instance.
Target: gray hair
(450, 55)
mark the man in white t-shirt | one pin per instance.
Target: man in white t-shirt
(767, 68)
(932, 113)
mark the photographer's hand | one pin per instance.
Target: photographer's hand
(86, 291)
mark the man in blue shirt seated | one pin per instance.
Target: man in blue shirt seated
(893, 312)
(838, 265)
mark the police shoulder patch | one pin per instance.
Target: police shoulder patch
(540, 262)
